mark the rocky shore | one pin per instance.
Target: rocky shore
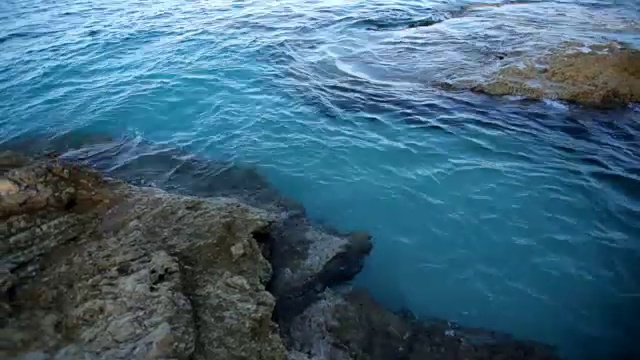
(598, 75)
(224, 267)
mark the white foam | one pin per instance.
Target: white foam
(555, 104)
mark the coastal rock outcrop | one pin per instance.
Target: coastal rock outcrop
(352, 326)
(599, 76)
(96, 268)
(306, 257)
(92, 268)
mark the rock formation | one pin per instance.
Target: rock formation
(96, 268)
(352, 326)
(307, 258)
(600, 76)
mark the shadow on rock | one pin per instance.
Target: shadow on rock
(353, 326)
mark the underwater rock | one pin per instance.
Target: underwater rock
(93, 268)
(599, 76)
(353, 326)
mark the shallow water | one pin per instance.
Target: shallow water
(514, 215)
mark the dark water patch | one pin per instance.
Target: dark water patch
(595, 162)
(381, 25)
(93, 32)
(393, 18)
(24, 35)
(627, 184)
(144, 163)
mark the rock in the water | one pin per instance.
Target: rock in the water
(353, 326)
(91, 268)
(600, 76)
(306, 258)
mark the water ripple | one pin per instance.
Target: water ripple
(480, 207)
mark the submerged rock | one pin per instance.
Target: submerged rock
(91, 268)
(353, 326)
(600, 76)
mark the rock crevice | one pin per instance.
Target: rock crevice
(96, 268)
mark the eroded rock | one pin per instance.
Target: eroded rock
(96, 269)
(306, 257)
(600, 76)
(353, 326)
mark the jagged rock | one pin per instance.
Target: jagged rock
(353, 326)
(92, 268)
(306, 258)
(600, 76)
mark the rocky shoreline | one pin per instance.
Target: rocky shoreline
(95, 266)
(598, 75)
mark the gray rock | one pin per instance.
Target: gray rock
(92, 268)
(352, 326)
(306, 257)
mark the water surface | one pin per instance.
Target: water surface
(514, 215)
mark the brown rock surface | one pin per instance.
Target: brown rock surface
(603, 76)
(91, 268)
(306, 257)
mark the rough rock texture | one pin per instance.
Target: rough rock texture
(92, 268)
(306, 257)
(600, 76)
(96, 269)
(352, 326)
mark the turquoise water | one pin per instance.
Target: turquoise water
(514, 215)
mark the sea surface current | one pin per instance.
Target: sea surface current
(520, 216)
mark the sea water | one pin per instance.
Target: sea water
(514, 215)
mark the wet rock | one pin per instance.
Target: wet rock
(104, 269)
(353, 326)
(7, 187)
(306, 258)
(92, 268)
(309, 259)
(600, 76)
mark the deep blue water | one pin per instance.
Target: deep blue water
(515, 215)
